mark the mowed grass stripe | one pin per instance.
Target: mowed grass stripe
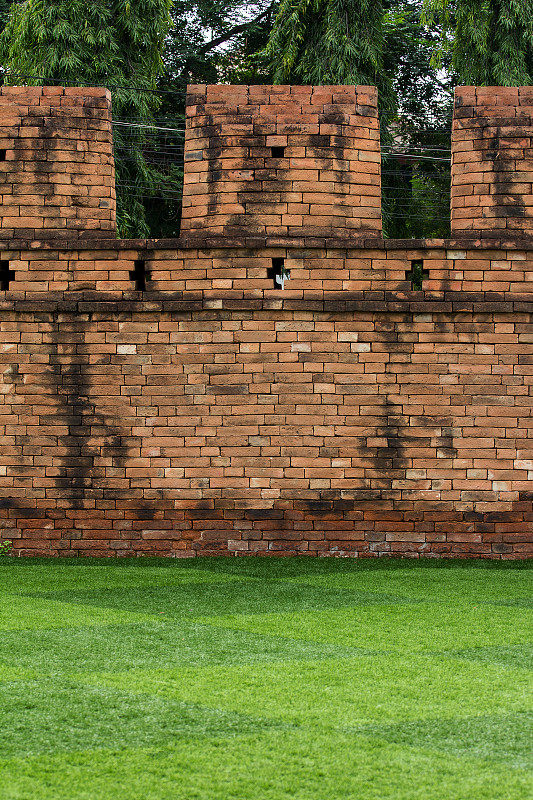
(500, 737)
(56, 577)
(452, 585)
(43, 717)
(287, 568)
(402, 628)
(161, 643)
(340, 692)
(20, 612)
(518, 656)
(232, 597)
(269, 765)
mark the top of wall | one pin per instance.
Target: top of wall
(57, 178)
(292, 166)
(282, 161)
(492, 162)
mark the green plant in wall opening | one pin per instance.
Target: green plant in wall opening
(5, 547)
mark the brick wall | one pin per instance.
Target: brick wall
(492, 159)
(282, 160)
(215, 412)
(56, 163)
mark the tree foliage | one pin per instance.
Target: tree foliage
(328, 42)
(416, 134)
(491, 42)
(422, 89)
(116, 43)
(217, 40)
(5, 6)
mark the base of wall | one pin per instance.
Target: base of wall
(329, 528)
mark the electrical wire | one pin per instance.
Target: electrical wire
(147, 125)
(417, 174)
(415, 216)
(162, 195)
(415, 155)
(420, 132)
(413, 150)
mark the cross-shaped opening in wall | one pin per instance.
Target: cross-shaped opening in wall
(279, 273)
(6, 275)
(417, 274)
(140, 274)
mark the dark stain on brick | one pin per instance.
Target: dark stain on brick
(228, 388)
(336, 117)
(393, 432)
(79, 475)
(319, 140)
(212, 131)
(263, 513)
(503, 166)
(9, 502)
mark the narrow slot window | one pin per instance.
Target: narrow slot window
(6, 275)
(279, 273)
(278, 152)
(417, 274)
(140, 274)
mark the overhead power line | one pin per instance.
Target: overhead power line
(396, 149)
(440, 176)
(417, 156)
(417, 216)
(147, 125)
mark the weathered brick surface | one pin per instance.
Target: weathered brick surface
(492, 161)
(282, 161)
(56, 163)
(213, 413)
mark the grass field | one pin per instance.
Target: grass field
(252, 679)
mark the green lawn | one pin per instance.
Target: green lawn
(262, 679)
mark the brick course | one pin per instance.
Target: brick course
(346, 414)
